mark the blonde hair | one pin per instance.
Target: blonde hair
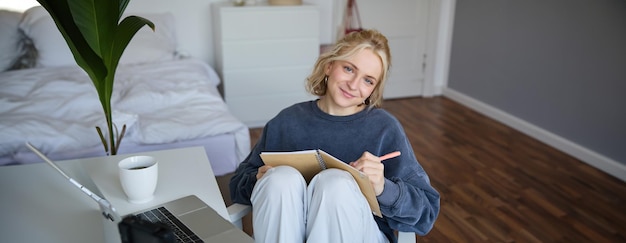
(346, 48)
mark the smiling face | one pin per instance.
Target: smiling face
(350, 82)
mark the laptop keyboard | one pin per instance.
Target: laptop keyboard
(161, 214)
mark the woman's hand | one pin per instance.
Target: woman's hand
(262, 171)
(372, 167)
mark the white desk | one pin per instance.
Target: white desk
(39, 205)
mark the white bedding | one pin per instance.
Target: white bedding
(57, 109)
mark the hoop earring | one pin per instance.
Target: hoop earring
(326, 79)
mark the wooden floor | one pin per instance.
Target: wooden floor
(499, 185)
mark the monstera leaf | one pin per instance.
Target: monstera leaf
(97, 38)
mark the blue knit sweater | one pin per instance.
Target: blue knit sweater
(408, 202)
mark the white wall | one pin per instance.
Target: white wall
(15, 5)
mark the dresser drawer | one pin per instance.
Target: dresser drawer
(266, 81)
(263, 22)
(269, 53)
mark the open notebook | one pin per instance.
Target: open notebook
(311, 162)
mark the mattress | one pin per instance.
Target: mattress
(166, 104)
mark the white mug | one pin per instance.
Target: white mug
(138, 176)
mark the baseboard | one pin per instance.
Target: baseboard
(588, 156)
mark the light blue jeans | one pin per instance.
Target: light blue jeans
(330, 209)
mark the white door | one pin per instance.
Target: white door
(404, 22)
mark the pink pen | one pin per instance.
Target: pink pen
(390, 155)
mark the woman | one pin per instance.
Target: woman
(346, 122)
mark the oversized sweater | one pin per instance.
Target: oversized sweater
(408, 201)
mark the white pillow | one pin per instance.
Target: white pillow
(146, 45)
(9, 38)
(52, 50)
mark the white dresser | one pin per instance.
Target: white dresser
(264, 54)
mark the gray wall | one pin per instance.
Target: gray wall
(557, 64)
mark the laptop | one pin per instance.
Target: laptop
(189, 218)
(192, 220)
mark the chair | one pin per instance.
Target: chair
(238, 211)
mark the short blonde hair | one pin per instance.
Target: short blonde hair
(346, 48)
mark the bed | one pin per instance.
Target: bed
(166, 100)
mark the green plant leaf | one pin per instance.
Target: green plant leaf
(85, 57)
(124, 33)
(123, 4)
(96, 21)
